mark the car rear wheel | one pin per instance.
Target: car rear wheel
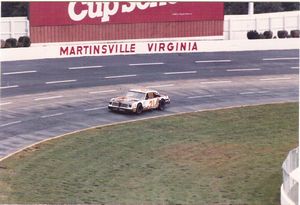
(139, 108)
(162, 105)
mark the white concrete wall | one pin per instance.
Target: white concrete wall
(131, 47)
(14, 27)
(237, 26)
(291, 179)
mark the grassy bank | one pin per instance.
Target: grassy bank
(229, 156)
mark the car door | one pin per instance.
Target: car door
(151, 101)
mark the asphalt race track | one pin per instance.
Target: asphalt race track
(46, 98)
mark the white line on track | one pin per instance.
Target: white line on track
(11, 86)
(120, 76)
(11, 123)
(20, 72)
(262, 92)
(243, 70)
(216, 82)
(178, 73)
(213, 61)
(271, 79)
(201, 96)
(85, 67)
(102, 91)
(5, 103)
(95, 108)
(53, 115)
(278, 59)
(253, 93)
(295, 67)
(61, 81)
(49, 98)
(160, 86)
(145, 64)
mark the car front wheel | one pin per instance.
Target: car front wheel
(162, 105)
(139, 109)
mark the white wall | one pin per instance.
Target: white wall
(54, 50)
(14, 27)
(237, 26)
(290, 185)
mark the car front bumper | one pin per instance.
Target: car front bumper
(121, 109)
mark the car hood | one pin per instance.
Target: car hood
(124, 99)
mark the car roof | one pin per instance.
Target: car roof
(143, 90)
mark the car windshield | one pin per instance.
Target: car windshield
(136, 95)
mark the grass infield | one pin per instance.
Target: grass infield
(230, 156)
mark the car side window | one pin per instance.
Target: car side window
(150, 95)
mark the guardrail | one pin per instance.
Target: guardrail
(290, 185)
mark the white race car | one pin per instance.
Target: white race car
(139, 100)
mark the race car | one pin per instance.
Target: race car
(139, 100)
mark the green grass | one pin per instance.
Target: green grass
(231, 156)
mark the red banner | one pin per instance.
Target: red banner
(72, 13)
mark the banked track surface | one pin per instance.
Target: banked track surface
(33, 112)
